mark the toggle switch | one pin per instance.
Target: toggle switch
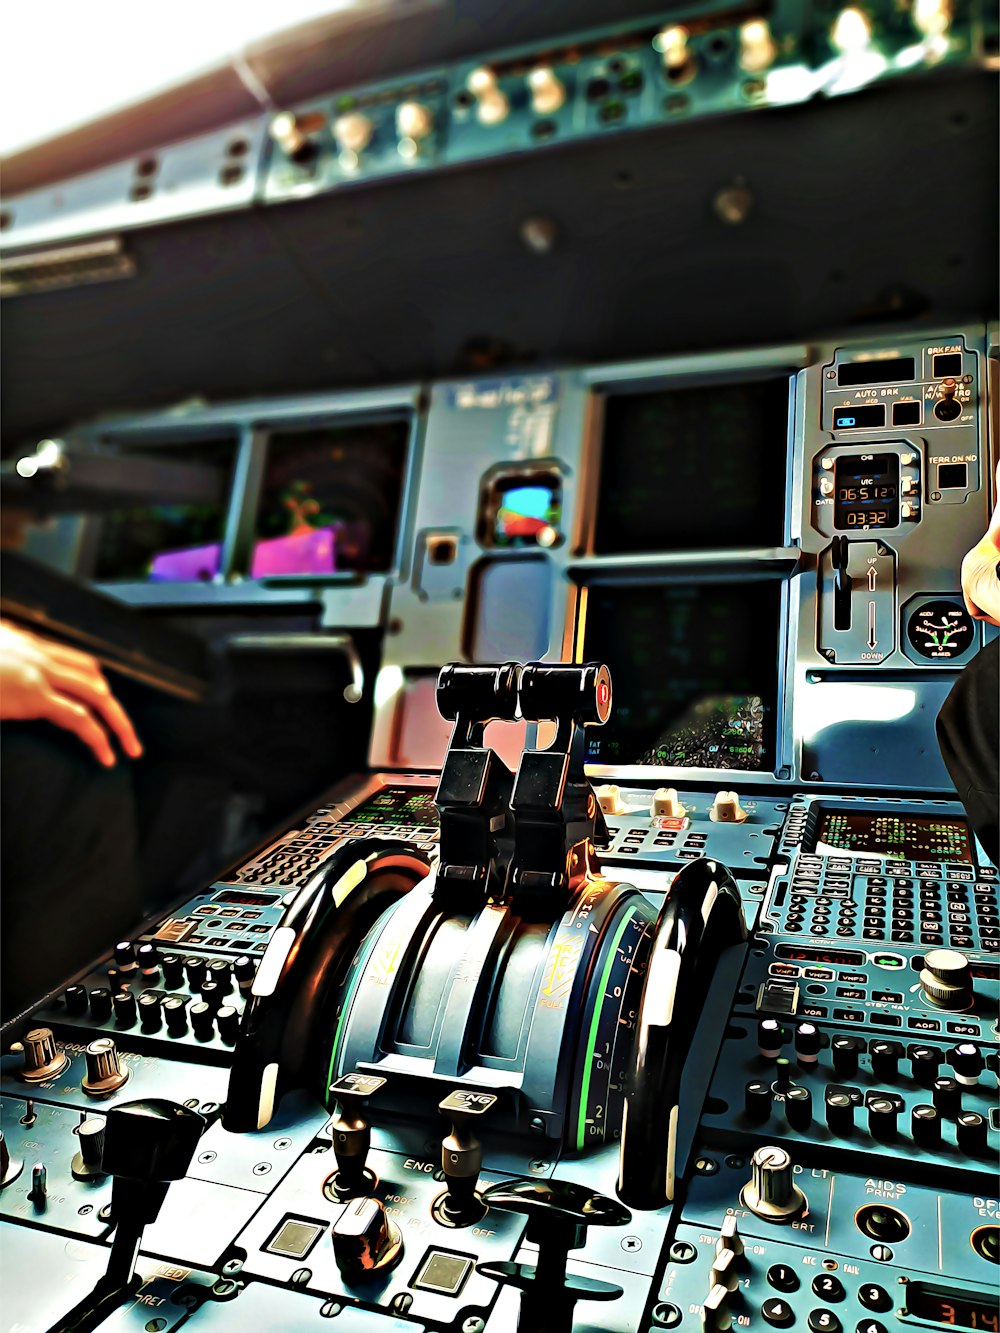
(351, 1136)
(366, 1241)
(716, 1316)
(462, 1158)
(39, 1191)
(42, 1058)
(725, 1272)
(729, 1236)
(548, 92)
(492, 104)
(414, 121)
(353, 132)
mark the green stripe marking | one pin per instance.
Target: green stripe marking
(581, 1128)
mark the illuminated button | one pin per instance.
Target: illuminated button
(825, 486)
(294, 1238)
(414, 120)
(826, 464)
(757, 48)
(443, 1273)
(548, 92)
(353, 132)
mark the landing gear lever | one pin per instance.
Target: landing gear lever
(146, 1146)
(558, 1215)
(842, 583)
(351, 1134)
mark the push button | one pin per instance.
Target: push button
(778, 1312)
(873, 1297)
(783, 1277)
(829, 1287)
(823, 1321)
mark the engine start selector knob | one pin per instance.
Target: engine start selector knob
(366, 1241)
(946, 979)
(772, 1192)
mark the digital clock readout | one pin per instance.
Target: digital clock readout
(952, 1309)
(866, 492)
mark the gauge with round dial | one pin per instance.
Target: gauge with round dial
(940, 630)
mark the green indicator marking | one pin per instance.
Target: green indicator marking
(581, 1128)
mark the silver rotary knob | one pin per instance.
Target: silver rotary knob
(366, 1241)
(42, 1058)
(946, 979)
(105, 1071)
(10, 1167)
(87, 1163)
(772, 1192)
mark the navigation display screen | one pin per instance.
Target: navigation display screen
(330, 500)
(397, 805)
(866, 493)
(900, 836)
(690, 468)
(694, 670)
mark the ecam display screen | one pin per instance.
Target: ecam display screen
(866, 492)
(683, 469)
(397, 805)
(330, 500)
(906, 837)
(694, 670)
(168, 543)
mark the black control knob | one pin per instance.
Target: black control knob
(971, 1134)
(366, 1241)
(462, 1157)
(771, 1192)
(798, 1108)
(202, 1018)
(925, 1126)
(925, 1061)
(966, 1059)
(10, 1167)
(882, 1116)
(126, 1009)
(75, 1000)
(173, 971)
(43, 1059)
(807, 1044)
(757, 1100)
(845, 1052)
(175, 1013)
(148, 958)
(227, 1020)
(100, 1004)
(87, 1164)
(558, 1215)
(212, 995)
(770, 1038)
(885, 1057)
(218, 971)
(105, 1071)
(244, 969)
(351, 1134)
(782, 1074)
(948, 1097)
(125, 959)
(196, 968)
(839, 1112)
(150, 1013)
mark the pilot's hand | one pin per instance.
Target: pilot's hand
(44, 680)
(981, 572)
